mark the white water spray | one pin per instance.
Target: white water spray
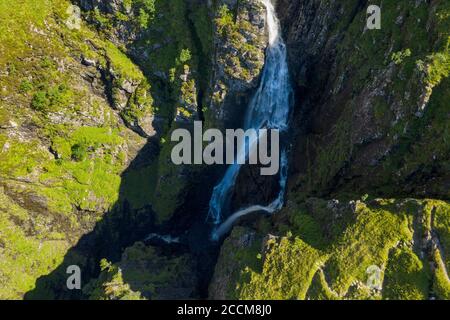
(269, 108)
(165, 238)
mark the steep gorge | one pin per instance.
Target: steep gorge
(371, 133)
(86, 176)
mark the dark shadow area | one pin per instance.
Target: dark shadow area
(123, 226)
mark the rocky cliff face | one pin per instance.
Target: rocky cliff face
(64, 136)
(240, 42)
(86, 178)
(371, 121)
(371, 102)
(85, 119)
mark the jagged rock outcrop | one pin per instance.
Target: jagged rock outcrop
(339, 250)
(371, 103)
(240, 41)
(63, 142)
(85, 154)
(371, 120)
(145, 273)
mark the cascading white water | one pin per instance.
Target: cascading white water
(269, 108)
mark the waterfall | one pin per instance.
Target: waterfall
(269, 108)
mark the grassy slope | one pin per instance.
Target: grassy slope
(45, 105)
(417, 52)
(323, 249)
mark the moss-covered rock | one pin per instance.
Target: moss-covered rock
(144, 273)
(63, 147)
(86, 116)
(373, 102)
(240, 42)
(333, 249)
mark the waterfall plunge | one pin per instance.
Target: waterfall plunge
(269, 108)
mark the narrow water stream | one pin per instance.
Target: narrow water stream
(269, 109)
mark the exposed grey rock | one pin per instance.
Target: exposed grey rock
(233, 84)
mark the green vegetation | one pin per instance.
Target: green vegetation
(68, 99)
(169, 188)
(122, 64)
(24, 258)
(367, 242)
(141, 272)
(399, 56)
(82, 177)
(62, 147)
(240, 253)
(330, 159)
(408, 110)
(139, 184)
(53, 99)
(143, 10)
(140, 104)
(19, 158)
(441, 284)
(289, 266)
(406, 276)
(441, 223)
(146, 11)
(174, 46)
(324, 250)
(110, 285)
(185, 56)
(232, 33)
